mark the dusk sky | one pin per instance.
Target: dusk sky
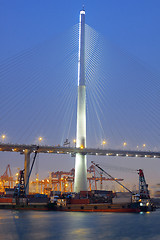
(38, 74)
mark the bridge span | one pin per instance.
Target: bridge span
(21, 148)
(72, 151)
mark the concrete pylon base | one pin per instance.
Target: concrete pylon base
(26, 167)
(80, 181)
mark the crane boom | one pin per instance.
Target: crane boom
(97, 165)
(36, 151)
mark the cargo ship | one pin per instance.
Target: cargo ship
(93, 201)
(85, 201)
(103, 201)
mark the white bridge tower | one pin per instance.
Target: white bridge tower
(80, 182)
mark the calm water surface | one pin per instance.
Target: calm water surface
(37, 225)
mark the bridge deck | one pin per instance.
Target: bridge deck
(72, 150)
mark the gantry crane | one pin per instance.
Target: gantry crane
(63, 181)
(7, 178)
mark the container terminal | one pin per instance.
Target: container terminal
(54, 194)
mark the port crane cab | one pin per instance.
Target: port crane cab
(143, 197)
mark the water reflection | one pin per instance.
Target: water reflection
(24, 225)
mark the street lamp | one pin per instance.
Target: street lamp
(3, 137)
(40, 139)
(103, 143)
(124, 144)
(74, 140)
(144, 145)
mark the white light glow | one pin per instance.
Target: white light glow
(82, 12)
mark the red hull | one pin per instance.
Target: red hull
(100, 207)
(120, 210)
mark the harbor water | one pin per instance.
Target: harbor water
(39, 225)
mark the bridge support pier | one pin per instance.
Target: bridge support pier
(80, 181)
(26, 167)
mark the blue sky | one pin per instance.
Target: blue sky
(131, 25)
(134, 25)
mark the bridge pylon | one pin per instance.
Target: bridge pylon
(80, 182)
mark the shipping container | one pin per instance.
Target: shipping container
(80, 201)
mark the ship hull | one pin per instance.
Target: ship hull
(73, 208)
(25, 207)
(104, 207)
(80, 207)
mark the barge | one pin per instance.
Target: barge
(84, 201)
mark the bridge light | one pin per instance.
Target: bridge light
(144, 145)
(74, 140)
(124, 144)
(3, 136)
(40, 139)
(14, 149)
(103, 143)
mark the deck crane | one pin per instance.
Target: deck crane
(34, 158)
(97, 165)
(143, 198)
(143, 186)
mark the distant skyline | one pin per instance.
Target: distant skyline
(132, 26)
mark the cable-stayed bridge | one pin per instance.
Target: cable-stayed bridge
(139, 94)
